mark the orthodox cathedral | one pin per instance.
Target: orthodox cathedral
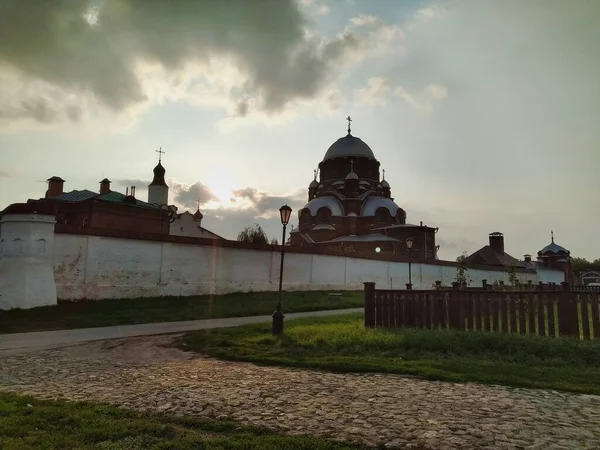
(350, 207)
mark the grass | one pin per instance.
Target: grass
(341, 343)
(104, 313)
(27, 423)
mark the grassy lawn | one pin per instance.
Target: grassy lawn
(26, 423)
(104, 313)
(341, 343)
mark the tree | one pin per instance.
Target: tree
(581, 265)
(253, 235)
(461, 271)
(274, 241)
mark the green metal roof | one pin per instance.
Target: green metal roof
(112, 197)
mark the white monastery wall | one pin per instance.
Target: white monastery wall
(102, 267)
(37, 266)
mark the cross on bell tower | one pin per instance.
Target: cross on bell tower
(349, 119)
(160, 153)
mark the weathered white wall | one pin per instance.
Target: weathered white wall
(26, 271)
(100, 267)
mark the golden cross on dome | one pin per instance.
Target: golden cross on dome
(315, 172)
(384, 174)
(198, 203)
(160, 153)
(349, 119)
(552, 235)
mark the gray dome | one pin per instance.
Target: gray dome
(349, 146)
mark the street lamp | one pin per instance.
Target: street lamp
(285, 212)
(409, 246)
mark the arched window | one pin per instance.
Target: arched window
(323, 214)
(305, 216)
(401, 216)
(382, 215)
(17, 246)
(40, 246)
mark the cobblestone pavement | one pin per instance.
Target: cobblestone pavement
(146, 374)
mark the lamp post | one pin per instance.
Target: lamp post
(285, 212)
(409, 246)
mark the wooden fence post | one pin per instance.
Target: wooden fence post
(369, 298)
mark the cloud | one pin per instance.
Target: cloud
(315, 7)
(267, 204)
(379, 92)
(375, 93)
(6, 173)
(432, 12)
(63, 61)
(189, 195)
(251, 205)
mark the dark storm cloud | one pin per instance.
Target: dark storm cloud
(77, 49)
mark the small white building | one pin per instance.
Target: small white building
(188, 224)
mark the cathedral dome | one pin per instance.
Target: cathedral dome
(349, 146)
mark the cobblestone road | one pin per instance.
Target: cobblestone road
(146, 374)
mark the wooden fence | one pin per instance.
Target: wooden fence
(542, 313)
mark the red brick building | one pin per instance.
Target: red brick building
(105, 209)
(351, 208)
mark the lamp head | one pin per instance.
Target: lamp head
(285, 213)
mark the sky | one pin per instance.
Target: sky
(485, 114)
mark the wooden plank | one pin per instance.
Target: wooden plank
(385, 318)
(424, 310)
(461, 310)
(541, 318)
(447, 310)
(512, 313)
(522, 313)
(454, 310)
(398, 310)
(485, 312)
(369, 310)
(476, 312)
(436, 310)
(585, 317)
(469, 311)
(596, 314)
(378, 310)
(506, 309)
(552, 326)
(531, 308)
(567, 315)
(494, 312)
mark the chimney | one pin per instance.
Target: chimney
(497, 242)
(55, 186)
(105, 186)
(527, 258)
